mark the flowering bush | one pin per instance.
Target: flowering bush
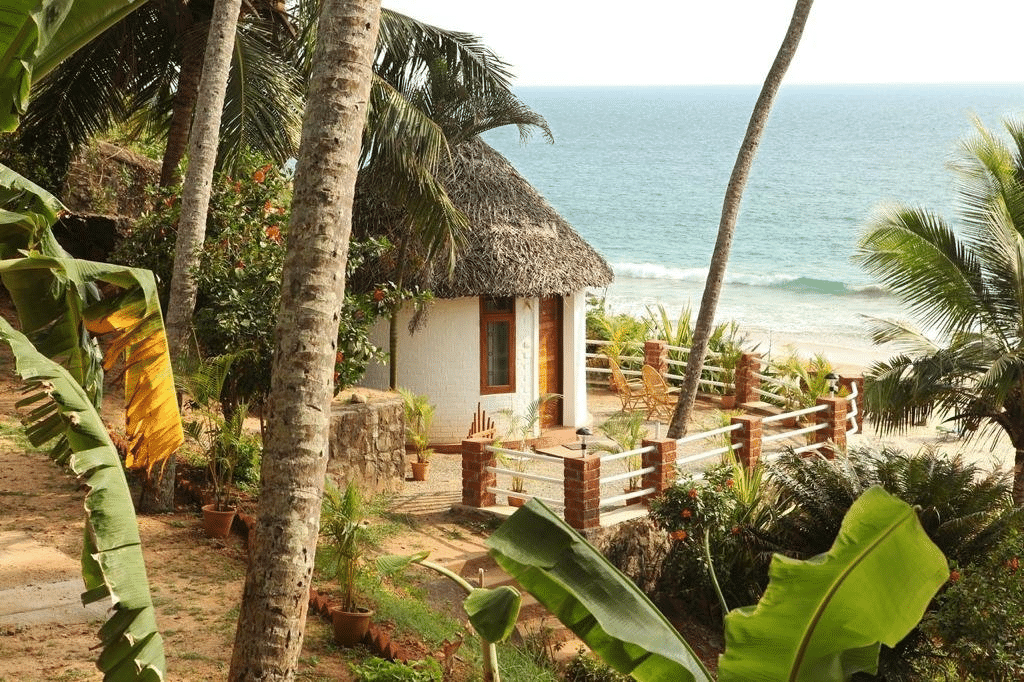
(239, 278)
(976, 625)
(725, 506)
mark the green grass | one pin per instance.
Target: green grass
(410, 614)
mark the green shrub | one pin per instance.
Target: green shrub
(379, 670)
(584, 668)
(725, 506)
(978, 621)
(239, 278)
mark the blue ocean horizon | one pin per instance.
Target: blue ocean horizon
(640, 173)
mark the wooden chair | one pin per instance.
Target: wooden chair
(631, 393)
(659, 397)
(482, 426)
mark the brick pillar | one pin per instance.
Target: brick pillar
(583, 492)
(656, 355)
(475, 477)
(747, 439)
(663, 459)
(835, 418)
(747, 382)
(848, 383)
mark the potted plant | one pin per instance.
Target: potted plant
(521, 427)
(343, 525)
(222, 438)
(419, 414)
(626, 431)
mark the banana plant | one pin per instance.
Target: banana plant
(112, 563)
(59, 304)
(37, 35)
(822, 619)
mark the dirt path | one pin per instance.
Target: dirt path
(196, 582)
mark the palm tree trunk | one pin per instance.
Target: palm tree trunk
(276, 594)
(1018, 477)
(202, 154)
(403, 252)
(181, 114)
(730, 212)
(195, 200)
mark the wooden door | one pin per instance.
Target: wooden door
(551, 358)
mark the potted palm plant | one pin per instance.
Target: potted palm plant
(343, 523)
(419, 414)
(221, 438)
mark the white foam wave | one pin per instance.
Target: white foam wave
(654, 271)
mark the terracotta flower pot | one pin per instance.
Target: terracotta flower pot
(516, 501)
(217, 524)
(350, 628)
(419, 470)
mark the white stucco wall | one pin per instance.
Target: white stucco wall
(442, 360)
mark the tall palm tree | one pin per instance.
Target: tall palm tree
(272, 616)
(730, 213)
(145, 71)
(966, 286)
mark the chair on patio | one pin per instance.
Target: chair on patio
(659, 397)
(631, 393)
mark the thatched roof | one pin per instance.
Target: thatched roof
(518, 244)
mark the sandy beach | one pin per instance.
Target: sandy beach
(851, 356)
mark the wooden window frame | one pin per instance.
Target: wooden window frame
(487, 316)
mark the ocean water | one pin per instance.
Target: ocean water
(641, 172)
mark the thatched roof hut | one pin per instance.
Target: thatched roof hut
(518, 244)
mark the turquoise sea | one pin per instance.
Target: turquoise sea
(640, 172)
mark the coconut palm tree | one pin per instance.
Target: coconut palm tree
(965, 284)
(272, 615)
(730, 213)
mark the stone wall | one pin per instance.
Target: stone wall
(368, 440)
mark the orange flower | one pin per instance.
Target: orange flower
(686, 513)
(1013, 564)
(954, 575)
(259, 176)
(267, 207)
(339, 357)
(274, 233)
(678, 535)
(693, 493)
(730, 483)
(378, 295)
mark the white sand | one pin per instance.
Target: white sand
(851, 356)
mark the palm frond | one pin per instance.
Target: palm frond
(406, 47)
(264, 99)
(919, 258)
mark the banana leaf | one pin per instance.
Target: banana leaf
(592, 598)
(37, 35)
(112, 562)
(60, 309)
(826, 618)
(134, 324)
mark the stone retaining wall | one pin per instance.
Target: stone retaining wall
(368, 440)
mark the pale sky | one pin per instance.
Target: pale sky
(682, 42)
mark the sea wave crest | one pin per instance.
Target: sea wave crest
(782, 281)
